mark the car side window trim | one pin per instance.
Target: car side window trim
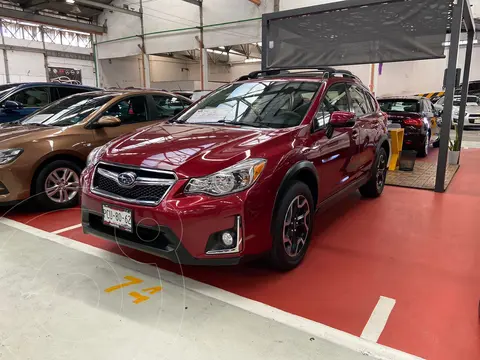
(315, 117)
(360, 90)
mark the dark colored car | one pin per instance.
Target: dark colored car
(415, 115)
(473, 88)
(242, 172)
(22, 99)
(43, 155)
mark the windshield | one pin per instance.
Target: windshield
(5, 89)
(401, 105)
(69, 111)
(470, 100)
(264, 103)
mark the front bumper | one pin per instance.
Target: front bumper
(164, 244)
(14, 183)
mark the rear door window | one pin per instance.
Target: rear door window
(168, 106)
(32, 97)
(130, 111)
(64, 91)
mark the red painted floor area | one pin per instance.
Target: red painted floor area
(416, 246)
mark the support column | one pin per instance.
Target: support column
(5, 56)
(145, 58)
(449, 93)
(466, 77)
(93, 40)
(45, 57)
(203, 54)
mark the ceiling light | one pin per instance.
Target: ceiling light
(215, 51)
(70, 1)
(462, 42)
(252, 60)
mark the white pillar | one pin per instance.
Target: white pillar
(146, 70)
(205, 69)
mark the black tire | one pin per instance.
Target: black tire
(423, 150)
(279, 255)
(39, 185)
(374, 187)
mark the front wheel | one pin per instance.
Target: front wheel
(292, 227)
(57, 185)
(374, 187)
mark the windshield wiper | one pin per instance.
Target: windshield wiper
(241, 123)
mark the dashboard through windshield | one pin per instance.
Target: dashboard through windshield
(263, 103)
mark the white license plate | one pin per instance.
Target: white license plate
(117, 217)
(477, 121)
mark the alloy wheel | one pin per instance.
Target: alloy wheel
(62, 185)
(381, 171)
(295, 226)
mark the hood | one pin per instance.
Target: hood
(189, 150)
(12, 135)
(473, 109)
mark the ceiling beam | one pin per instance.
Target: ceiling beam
(36, 4)
(194, 2)
(98, 5)
(53, 21)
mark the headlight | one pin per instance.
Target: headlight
(94, 155)
(9, 155)
(230, 180)
(455, 112)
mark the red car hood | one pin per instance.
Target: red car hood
(189, 150)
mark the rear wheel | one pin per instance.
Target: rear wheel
(292, 227)
(57, 185)
(423, 150)
(374, 187)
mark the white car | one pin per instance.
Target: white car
(472, 111)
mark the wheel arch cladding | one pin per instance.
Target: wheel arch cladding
(48, 160)
(303, 171)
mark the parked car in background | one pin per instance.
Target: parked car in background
(197, 95)
(242, 172)
(187, 94)
(42, 155)
(415, 115)
(22, 99)
(473, 88)
(472, 110)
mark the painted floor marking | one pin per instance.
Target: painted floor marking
(341, 338)
(73, 227)
(378, 319)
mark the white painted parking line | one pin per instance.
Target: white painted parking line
(378, 319)
(73, 227)
(319, 330)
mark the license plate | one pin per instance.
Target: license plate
(477, 121)
(117, 217)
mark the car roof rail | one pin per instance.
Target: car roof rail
(322, 72)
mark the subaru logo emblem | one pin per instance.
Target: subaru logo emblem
(126, 179)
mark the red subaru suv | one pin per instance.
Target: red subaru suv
(242, 172)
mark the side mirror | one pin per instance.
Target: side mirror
(340, 119)
(107, 121)
(12, 105)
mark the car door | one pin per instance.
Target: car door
(363, 131)
(133, 112)
(332, 149)
(31, 99)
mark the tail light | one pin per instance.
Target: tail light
(413, 122)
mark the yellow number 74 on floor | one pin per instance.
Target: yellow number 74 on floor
(139, 298)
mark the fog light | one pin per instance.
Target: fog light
(227, 239)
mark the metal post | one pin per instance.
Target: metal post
(265, 46)
(203, 58)
(93, 40)
(45, 57)
(449, 93)
(145, 59)
(5, 55)
(466, 77)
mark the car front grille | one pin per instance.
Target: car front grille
(149, 187)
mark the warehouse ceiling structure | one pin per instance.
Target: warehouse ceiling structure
(392, 31)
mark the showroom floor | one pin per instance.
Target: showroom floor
(403, 270)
